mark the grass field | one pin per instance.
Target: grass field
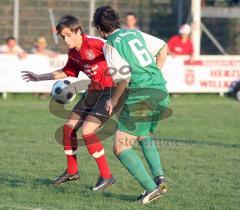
(200, 153)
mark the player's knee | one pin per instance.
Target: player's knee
(117, 149)
(86, 131)
(89, 128)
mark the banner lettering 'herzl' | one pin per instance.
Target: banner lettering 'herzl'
(206, 74)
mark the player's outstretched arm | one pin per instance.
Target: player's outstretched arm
(31, 76)
(161, 57)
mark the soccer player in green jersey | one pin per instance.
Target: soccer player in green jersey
(131, 53)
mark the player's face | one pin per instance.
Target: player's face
(71, 39)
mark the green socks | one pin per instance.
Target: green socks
(152, 156)
(136, 168)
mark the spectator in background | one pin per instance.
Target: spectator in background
(11, 47)
(40, 47)
(131, 21)
(181, 44)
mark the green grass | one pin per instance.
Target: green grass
(200, 154)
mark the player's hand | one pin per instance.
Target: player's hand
(30, 76)
(110, 104)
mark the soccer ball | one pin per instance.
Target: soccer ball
(62, 92)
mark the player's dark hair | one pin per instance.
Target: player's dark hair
(71, 22)
(131, 14)
(106, 19)
(10, 38)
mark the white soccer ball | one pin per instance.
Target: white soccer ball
(62, 92)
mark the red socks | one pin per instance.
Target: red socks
(70, 148)
(95, 148)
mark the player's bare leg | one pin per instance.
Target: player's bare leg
(123, 141)
(96, 149)
(123, 150)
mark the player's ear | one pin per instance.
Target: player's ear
(78, 32)
(98, 29)
(102, 34)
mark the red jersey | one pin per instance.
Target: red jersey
(90, 60)
(178, 47)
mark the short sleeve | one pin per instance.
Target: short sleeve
(99, 43)
(153, 44)
(118, 67)
(71, 68)
(96, 43)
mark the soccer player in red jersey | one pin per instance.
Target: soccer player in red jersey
(85, 54)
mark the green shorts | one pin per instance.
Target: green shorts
(142, 110)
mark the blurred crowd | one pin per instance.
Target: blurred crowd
(40, 47)
(179, 44)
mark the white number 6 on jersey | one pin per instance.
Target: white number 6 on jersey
(141, 54)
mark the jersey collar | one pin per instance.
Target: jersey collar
(113, 32)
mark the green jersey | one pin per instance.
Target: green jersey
(135, 51)
(130, 55)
